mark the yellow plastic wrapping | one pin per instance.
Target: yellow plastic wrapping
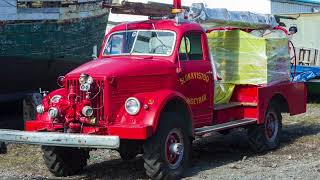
(223, 93)
(243, 58)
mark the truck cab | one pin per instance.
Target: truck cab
(151, 91)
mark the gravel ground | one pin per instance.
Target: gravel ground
(214, 157)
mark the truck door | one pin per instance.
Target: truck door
(196, 79)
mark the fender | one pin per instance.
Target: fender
(38, 123)
(61, 92)
(294, 93)
(152, 104)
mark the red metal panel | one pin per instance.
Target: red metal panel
(228, 114)
(131, 132)
(235, 113)
(294, 93)
(250, 112)
(245, 93)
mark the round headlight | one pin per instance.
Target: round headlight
(53, 112)
(61, 81)
(132, 106)
(55, 99)
(83, 78)
(87, 111)
(40, 109)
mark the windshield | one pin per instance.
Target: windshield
(140, 42)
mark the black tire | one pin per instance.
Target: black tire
(129, 149)
(266, 136)
(127, 156)
(62, 161)
(156, 153)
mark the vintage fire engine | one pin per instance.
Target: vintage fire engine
(151, 91)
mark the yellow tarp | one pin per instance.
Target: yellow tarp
(223, 93)
(242, 58)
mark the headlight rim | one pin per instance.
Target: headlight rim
(138, 103)
(40, 109)
(85, 108)
(56, 114)
(83, 79)
(86, 79)
(52, 99)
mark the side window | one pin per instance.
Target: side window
(191, 47)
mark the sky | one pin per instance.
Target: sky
(259, 6)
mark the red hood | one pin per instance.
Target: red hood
(120, 66)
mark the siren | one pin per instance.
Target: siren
(176, 7)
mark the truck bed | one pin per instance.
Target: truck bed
(252, 101)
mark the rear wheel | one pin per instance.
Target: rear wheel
(266, 136)
(62, 161)
(166, 154)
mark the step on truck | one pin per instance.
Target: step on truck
(155, 87)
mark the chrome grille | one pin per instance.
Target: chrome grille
(96, 96)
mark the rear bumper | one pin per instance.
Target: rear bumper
(60, 139)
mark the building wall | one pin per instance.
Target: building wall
(287, 7)
(308, 29)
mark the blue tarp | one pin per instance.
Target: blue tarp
(306, 73)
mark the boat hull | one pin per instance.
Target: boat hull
(28, 75)
(34, 54)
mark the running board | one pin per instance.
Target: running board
(224, 126)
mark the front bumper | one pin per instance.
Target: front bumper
(60, 139)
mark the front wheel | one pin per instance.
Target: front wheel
(266, 136)
(166, 154)
(62, 161)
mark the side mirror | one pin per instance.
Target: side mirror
(95, 52)
(293, 30)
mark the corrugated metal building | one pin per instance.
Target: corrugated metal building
(294, 6)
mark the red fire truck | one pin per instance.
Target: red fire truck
(151, 100)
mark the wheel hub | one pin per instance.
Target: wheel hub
(271, 127)
(174, 148)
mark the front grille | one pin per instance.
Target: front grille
(96, 97)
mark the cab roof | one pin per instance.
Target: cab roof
(170, 25)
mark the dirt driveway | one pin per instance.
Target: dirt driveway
(214, 157)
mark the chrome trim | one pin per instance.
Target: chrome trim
(60, 139)
(223, 126)
(138, 102)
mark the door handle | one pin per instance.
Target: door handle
(209, 72)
